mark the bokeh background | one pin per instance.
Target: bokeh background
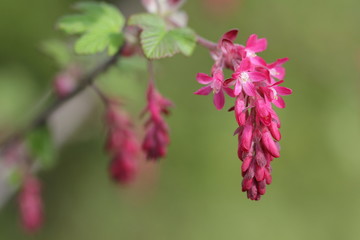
(195, 193)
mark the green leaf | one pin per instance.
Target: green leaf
(159, 42)
(100, 25)
(40, 146)
(147, 20)
(185, 40)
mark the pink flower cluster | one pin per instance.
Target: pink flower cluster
(156, 138)
(30, 203)
(255, 86)
(122, 144)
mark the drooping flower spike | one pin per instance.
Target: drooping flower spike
(255, 90)
(156, 138)
(31, 205)
(121, 144)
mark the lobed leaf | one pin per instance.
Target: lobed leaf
(159, 42)
(100, 25)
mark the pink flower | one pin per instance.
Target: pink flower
(30, 203)
(122, 169)
(156, 138)
(255, 89)
(244, 78)
(122, 145)
(276, 69)
(215, 84)
(274, 93)
(254, 45)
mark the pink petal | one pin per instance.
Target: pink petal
(258, 61)
(229, 82)
(283, 90)
(219, 100)
(278, 62)
(260, 45)
(257, 76)
(203, 78)
(269, 144)
(278, 83)
(249, 89)
(204, 91)
(279, 102)
(238, 88)
(280, 73)
(226, 46)
(245, 65)
(251, 41)
(230, 35)
(229, 91)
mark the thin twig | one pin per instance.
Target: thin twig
(43, 116)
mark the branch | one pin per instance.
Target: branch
(43, 116)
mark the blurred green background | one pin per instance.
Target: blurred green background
(195, 193)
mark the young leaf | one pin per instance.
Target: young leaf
(159, 42)
(147, 21)
(100, 25)
(40, 145)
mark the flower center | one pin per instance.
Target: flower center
(274, 72)
(250, 54)
(244, 77)
(275, 93)
(216, 86)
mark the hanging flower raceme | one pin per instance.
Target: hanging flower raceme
(255, 89)
(156, 138)
(30, 203)
(122, 145)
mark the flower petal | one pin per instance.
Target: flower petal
(219, 100)
(245, 65)
(238, 88)
(261, 45)
(279, 72)
(283, 90)
(249, 89)
(226, 46)
(258, 61)
(229, 82)
(230, 35)
(204, 91)
(278, 62)
(251, 41)
(229, 91)
(257, 76)
(203, 78)
(279, 102)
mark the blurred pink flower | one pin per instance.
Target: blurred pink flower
(156, 138)
(30, 203)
